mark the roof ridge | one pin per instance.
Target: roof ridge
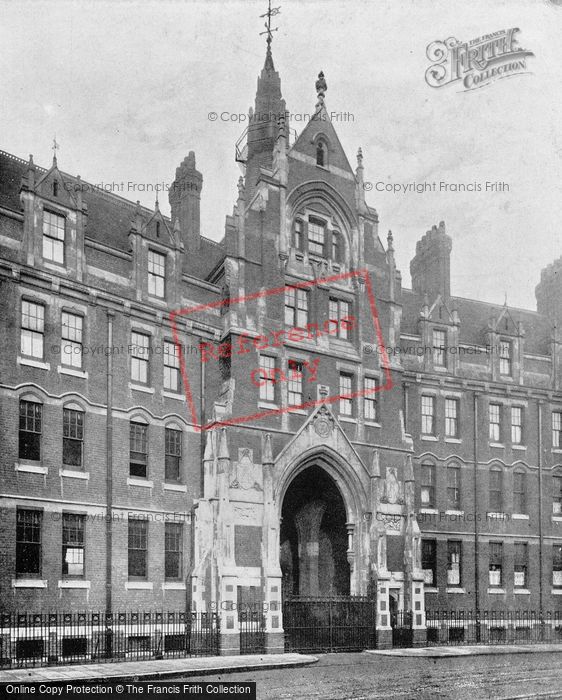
(93, 187)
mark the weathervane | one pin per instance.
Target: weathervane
(271, 12)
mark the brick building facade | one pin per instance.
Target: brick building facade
(427, 467)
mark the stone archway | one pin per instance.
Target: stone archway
(314, 539)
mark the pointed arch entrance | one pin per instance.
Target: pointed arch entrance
(314, 539)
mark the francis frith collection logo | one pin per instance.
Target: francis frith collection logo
(476, 63)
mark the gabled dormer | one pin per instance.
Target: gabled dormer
(157, 257)
(505, 343)
(318, 145)
(54, 220)
(439, 331)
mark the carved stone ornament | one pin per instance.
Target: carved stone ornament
(323, 422)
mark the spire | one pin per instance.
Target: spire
(55, 147)
(262, 130)
(271, 12)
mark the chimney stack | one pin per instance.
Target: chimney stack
(431, 266)
(185, 198)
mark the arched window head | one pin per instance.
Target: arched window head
(321, 154)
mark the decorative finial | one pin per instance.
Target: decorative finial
(271, 12)
(321, 87)
(156, 205)
(359, 157)
(390, 240)
(505, 299)
(55, 148)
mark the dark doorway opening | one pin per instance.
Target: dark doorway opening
(314, 537)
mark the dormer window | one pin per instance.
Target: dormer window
(439, 349)
(156, 273)
(321, 154)
(505, 358)
(316, 236)
(55, 188)
(53, 237)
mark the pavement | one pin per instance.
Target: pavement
(215, 665)
(476, 650)
(155, 669)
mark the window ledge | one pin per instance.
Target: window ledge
(173, 586)
(74, 474)
(138, 585)
(556, 591)
(494, 515)
(372, 424)
(499, 445)
(34, 363)
(557, 450)
(519, 516)
(456, 441)
(74, 583)
(496, 590)
(141, 387)
(557, 518)
(430, 589)
(72, 372)
(174, 487)
(518, 447)
(30, 468)
(131, 481)
(347, 419)
(429, 511)
(29, 583)
(459, 513)
(521, 591)
(297, 411)
(429, 438)
(173, 395)
(455, 589)
(269, 406)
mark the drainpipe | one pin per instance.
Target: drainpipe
(109, 467)
(476, 547)
(539, 465)
(405, 407)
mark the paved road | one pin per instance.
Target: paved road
(367, 677)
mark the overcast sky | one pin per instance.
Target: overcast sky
(127, 88)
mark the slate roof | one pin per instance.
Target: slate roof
(109, 215)
(474, 316)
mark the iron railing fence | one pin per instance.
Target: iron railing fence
(401, 622)
(44, 639)
(493, 627)
(328, 624)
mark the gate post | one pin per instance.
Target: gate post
(274, 634)
(229, 634)
(384, 629)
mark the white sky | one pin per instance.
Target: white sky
(127, 87)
